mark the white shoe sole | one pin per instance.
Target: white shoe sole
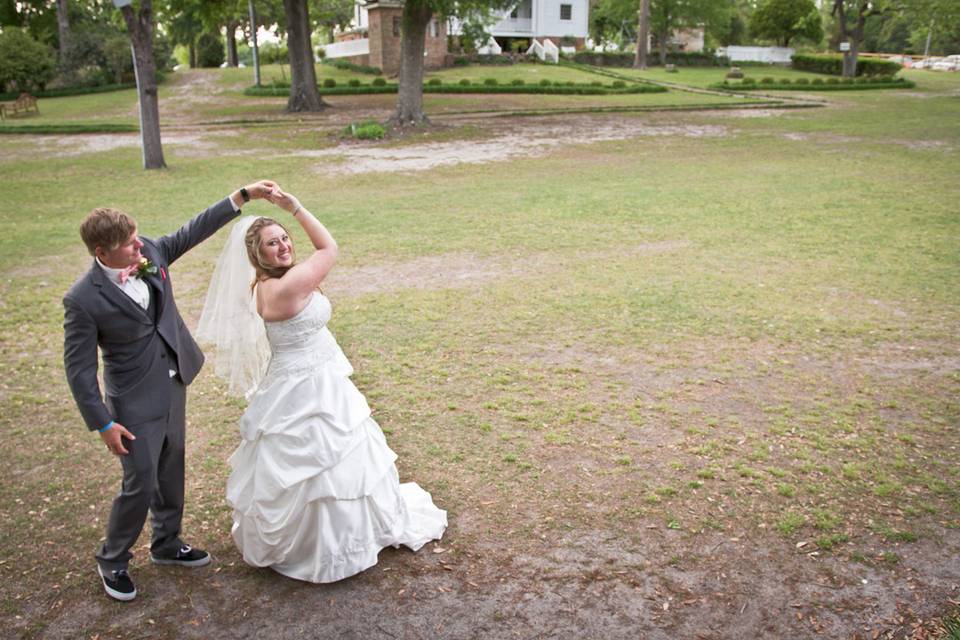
(113, 593)
(183, 563)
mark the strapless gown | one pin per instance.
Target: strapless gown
(313, 485)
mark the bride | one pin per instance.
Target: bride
(313, 485)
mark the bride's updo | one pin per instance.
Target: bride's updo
(253, 242)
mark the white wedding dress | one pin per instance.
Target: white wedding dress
(313, 486)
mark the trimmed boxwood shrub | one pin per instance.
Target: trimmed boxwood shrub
(349, 66)
(379, 82)
(545, 83)
(353, 82)
(818, 84)
(833, 65)
(785, 81)
(517, 82)
(677, 58)
(434, 82)
(767, 80)
(618, 84)
(464, 82)
(369, 130)
(329, 83)
(490, 82)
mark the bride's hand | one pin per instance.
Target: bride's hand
(286, 201)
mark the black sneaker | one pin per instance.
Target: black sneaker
(118, 584)
(187, 556)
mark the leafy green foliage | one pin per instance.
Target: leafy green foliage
(833, 65)
(784, 20)
(209, 50)
(24, 62)
(368, 130)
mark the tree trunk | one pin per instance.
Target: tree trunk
(850, 59)
(643, 35)
(140, 27)
(192, 48)
(63, 26)
(662, 39)
(304, 95)
(232, 60)
(416, 17)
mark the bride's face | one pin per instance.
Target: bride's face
(276, 247)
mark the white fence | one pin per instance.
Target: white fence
(347, 48)
(780, 55)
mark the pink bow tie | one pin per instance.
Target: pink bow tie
(132, 270)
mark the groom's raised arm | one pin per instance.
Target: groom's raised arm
(209, 221)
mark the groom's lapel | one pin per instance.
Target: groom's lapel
(113, 293)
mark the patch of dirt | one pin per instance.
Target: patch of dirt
(460, 270)
(753, 113)
(529, 142)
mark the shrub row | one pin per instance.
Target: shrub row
(68, 128)
(490, 85)
(833, 65)
(678, 58)
(817, 84)
(489, 59)
(349, 66)
(70, 91)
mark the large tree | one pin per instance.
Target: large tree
(304, 95)
(851, 17)
(416, 18)
(140, 28)
(643, 35)
(784, 20)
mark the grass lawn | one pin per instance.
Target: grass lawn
(604, 361)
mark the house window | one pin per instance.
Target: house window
(396, 26)
(566, 11)
(434, 29)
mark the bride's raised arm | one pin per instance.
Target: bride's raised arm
(300, 281)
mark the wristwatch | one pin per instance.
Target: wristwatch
(244, 194)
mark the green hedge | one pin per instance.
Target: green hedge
(349, 66)
(678, 58)
(70, 91)
(833, 65)
(553, 88)
(898, 83)
(38, 129)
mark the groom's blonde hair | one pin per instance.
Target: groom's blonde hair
(106, 228)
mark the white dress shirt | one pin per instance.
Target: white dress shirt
(135, 288)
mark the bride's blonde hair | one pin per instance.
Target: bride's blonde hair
(253, 242)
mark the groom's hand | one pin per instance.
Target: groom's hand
(255, 191)
(113, 438)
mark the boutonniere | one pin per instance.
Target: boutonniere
(147, 268)
(140, 270)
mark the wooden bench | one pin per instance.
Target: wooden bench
(24, 103)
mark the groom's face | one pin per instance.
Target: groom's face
(128, 253)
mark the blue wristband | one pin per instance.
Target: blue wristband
(110, 424)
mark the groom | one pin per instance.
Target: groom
(124, 304)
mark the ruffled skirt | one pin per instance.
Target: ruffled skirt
(314, 488)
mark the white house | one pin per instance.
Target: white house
(527, 26)
(564, 22)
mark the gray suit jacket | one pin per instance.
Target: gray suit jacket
(138, 350)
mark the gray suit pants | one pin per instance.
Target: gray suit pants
(152, 481)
